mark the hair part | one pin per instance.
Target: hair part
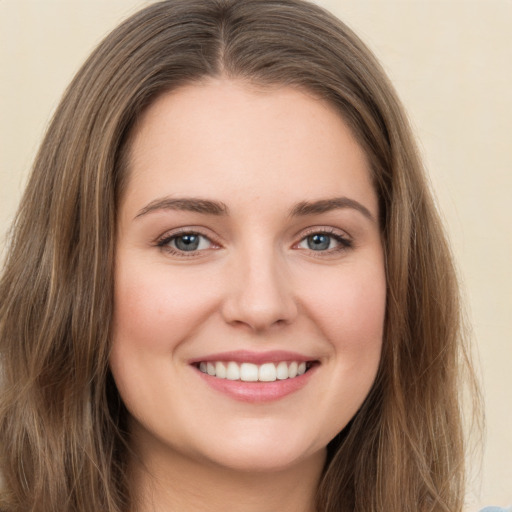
(65, 442)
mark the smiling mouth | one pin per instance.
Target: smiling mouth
(250, 372)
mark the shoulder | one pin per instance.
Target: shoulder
(496, 509)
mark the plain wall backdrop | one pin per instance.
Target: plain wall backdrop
(450, 61)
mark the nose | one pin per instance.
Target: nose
(260, 294)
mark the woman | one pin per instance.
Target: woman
(227, 282)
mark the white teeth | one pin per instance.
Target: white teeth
(267, 372)
(233, 372)
(220, 370)
(282, 371)
(249, 372)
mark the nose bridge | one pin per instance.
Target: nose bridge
(260, 294)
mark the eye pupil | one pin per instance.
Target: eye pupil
(189, 242)
(318, 242)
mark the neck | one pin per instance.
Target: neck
(170, 482)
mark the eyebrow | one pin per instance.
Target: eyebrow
(189, 204)
(209, 207)
(326, 205)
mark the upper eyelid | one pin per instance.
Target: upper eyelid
(344, 240)
(192, 230)
(163, 243)
(329, 230)
(214, 239)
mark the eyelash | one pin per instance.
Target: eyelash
(164, 243)
(344, 243)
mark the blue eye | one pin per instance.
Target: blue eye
(186, 242)
(323, 242)
(318, 242)
(189, 242)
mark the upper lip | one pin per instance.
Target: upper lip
(247, 356)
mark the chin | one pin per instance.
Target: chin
(263, 453)
(247, 462)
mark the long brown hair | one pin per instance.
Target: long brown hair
(64, 439)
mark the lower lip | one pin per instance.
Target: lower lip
(257, 391)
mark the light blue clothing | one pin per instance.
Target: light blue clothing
(496, 509)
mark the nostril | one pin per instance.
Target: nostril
(259, 296)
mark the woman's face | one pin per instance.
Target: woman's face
(249, 278)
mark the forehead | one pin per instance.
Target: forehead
(228, 137)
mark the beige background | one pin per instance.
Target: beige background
(451, 63)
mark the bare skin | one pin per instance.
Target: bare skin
(173, 484)
(248, 242)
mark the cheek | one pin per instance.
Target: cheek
(156, 308)
(350, 308)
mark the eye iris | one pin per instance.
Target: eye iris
(319, 242)
(188, 242)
